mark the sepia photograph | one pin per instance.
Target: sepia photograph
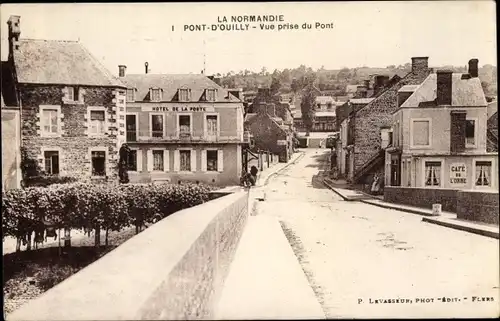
(250, 160)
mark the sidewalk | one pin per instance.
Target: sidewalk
(257, 192)
(446, 219)
(346, 194)
(265, 280)
(264, 176)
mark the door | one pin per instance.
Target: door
(395, 171)
(131, 121)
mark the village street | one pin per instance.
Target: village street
(355, 253)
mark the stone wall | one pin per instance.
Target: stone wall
(73, 142)
(422, 197)
(478, 206)
(175, 269)
(11, 153)
(377, 114)
(266, 133)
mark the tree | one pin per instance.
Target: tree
(275, 86)
(295, 86)
(307, 106)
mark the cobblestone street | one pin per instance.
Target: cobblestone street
(356, 254)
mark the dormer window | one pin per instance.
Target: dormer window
(73, 95)
(155, 94)
(210, 94)
(184, 94)
(130, 94)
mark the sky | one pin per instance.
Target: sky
(374, 34)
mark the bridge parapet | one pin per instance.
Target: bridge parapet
(175, 269)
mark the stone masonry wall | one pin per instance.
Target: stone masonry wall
(73, 143)
(422, 197)
(266, 133)
(367, 139)
(478, 206)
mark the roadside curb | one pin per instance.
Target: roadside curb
(266, 180)
(460, 227)
(345, 198)
(390, 207)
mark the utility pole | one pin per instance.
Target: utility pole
(204, 58)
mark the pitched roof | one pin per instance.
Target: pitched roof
(324, 100)
(408, 88)
(465, 92)
(410, 79)
(324, 114)
(171, 83)
(59, 62)
(492, 108)
(360, 100)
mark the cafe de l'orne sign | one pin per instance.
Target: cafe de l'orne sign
(458, 174)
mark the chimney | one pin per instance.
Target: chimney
(14, 24)
(444, 87)
(367, 83)
(380, 82)
(121, 70)
(419, 64)
(271, 110)
(146, 66)
(473, 70)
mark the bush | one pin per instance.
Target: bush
(44, 181)
(95, 206)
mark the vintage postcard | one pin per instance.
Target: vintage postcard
(258, 160)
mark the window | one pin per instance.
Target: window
(184, 94)
(470, 132)
(210, 94)
(97, 122)
(157, 126)
(212, 125)
(185, 160)
(185, 124)
(420, 133)
(155, 94)
(71, 93)
(432, 173)
(384, 135)
(158, 160)
(132, 160)
(130, 94)
(212, 160)
(483, 173)
(98, 163)
(50, 120)
(51, 162)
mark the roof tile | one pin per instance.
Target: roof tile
(60, 62)
(171, 83)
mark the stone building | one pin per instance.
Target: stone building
(270, 132)
(440, 135)
(72, 108)
(369, 124)
(183, 128)
(342, 123)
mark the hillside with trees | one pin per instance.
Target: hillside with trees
(293, 80)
